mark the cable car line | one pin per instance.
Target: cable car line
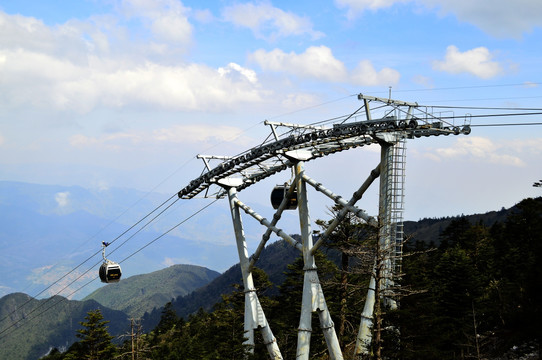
(170, 230)
(144, 226)
(46, 301)
(491, 115)
(93, 266)
(517, 124)
(27, 320)
(91, 256)
(466, 87)
(485, 108)
(141, 220)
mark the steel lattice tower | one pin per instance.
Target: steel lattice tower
(291, 150)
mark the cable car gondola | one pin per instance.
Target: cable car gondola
(279, 193)
(110, 271)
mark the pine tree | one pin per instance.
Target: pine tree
(95, 343)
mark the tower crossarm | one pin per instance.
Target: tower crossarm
(312, 142)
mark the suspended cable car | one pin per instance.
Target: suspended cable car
(279, 193)
(110, 271)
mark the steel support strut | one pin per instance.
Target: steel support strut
(254, 315)
(345, 206)
(313, 296)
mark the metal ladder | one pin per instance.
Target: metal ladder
(397, 196)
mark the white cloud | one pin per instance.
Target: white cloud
(62, 199)
(167, 19)
(108, 141)
(20, 33)
(500, 18)
(177, 134)
(203, 16)
(479, 149)
(269, 22)
(366, 75)
(318, 62)
(423, 80)
(75, 67)
(356, 7)
(197, 134)
(300, 101)
(69, 86)
(239, 72)
(477, 62)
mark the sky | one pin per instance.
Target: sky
(125, 93)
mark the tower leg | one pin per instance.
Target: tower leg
(254, 315)
(363, 340)
(313, 296)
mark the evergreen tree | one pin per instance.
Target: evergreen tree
(346, 237)
(168, 319)
(95, 343)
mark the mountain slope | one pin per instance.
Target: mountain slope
(277, 256)
(274, 260)
(27, 334)
(142, 293)
(46, 230)
(429, 230)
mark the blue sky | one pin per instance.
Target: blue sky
(112, 93)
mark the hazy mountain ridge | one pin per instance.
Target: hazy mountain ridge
(273, 260)
(429, 230)
(118, 302)
(276, 257)
(42, 225)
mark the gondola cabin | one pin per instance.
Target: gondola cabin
(280, 192)
(110, 272)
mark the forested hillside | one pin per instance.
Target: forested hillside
(139, 294)
(273, 260)
(57, 328)
(474, 296)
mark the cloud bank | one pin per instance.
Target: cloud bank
(318, 63)
(500, 18)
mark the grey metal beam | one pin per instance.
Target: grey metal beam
(313, 299)
(342, 213)
(254, 314)
(265, 222)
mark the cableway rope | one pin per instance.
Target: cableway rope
(489, 115)
(320, 122)
(83, 274)
(465, 87)
(517, 124)
(484, 108)
(94, 254)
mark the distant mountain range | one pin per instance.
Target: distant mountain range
(46, 230)
(29, 327)
(40, 222)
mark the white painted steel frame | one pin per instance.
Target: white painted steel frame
(304, 143)
(254, 315)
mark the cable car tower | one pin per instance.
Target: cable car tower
(291, 149)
